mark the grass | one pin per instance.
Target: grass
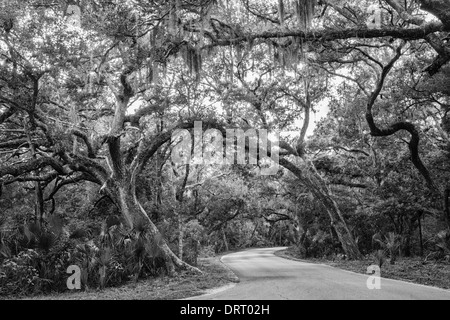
(184, 285)
(415, 270)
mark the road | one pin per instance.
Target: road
(264, 276)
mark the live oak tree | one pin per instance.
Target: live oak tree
(58, 81)
(37, 73)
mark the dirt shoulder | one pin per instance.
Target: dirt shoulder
(415, 270)
(184, 285)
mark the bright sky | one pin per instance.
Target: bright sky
(322, 111)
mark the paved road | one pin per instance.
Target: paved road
(264, 276)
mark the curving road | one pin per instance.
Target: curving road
(264, 276)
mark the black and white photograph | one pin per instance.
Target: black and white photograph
(224, 157)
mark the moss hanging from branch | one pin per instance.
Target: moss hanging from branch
(173, 18)
(239, 53)
(304, 10)
(193, 59)
(155, 73)
(232, 64)
(198, 66)
(281, 12)
(154, 37)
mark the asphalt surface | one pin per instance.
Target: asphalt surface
(264, 276)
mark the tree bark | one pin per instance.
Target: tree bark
(420, 235)
(180, 237)
(447, 207)
(225, 241)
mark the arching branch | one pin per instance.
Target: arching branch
(321, 36)
(399, 126)
(67, 181)
(31, 165)
(87, 142)
(432, 39)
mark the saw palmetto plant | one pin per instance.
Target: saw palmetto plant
(390, 244)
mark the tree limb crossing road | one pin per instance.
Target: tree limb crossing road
(264, 276)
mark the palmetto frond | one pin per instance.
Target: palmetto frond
(391, 241)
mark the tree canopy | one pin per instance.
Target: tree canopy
(92, 92)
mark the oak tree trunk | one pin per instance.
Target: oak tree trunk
(225, 241)
(314, 182)
(132, 211)
(180, 237)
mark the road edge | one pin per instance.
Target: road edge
(353, 272)
(233, 282)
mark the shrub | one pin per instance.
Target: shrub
(45, 253)
(18, 275)
(443, 245)
(390, 244)
(319, 245)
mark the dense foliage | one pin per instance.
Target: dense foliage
(91, 93)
